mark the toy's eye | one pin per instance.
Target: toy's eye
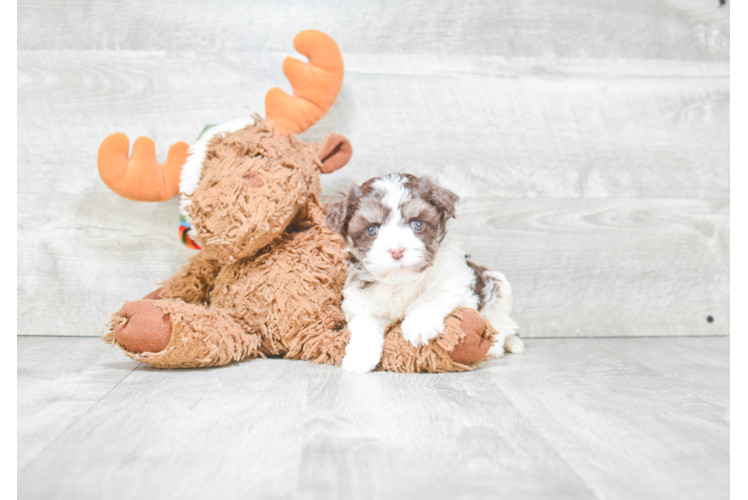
(417, 225)
(372, 230)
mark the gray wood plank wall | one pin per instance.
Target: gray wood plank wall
(588, 140)
(736, 26)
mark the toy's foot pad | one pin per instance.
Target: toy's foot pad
(473, 346)
(148, 328)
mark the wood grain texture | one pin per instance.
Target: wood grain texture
(81, 257)
(570, 418)
(738, 416)
(628, 414)
(738, 254)
(394, 436)
(579, 267)
(482, 125)
(607, 267)
(737, 231)
(737, 215)
(58, 382)
(609, 29)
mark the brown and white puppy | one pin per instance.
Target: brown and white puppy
(405, 267)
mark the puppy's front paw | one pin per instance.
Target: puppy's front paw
(359, 361)
(422, 325)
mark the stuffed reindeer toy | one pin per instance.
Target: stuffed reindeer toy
(268, 278)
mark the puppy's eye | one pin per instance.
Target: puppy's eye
(417, 225)
(372, 230)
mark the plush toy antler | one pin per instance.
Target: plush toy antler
(315, 86)
(140, 177)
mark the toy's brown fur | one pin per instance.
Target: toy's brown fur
(438, 355)
(270, 276)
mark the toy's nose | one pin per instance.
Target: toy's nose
(253, 180)
(397, 253)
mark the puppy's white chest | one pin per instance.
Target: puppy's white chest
(391, 301)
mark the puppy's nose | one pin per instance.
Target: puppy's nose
(397, 253)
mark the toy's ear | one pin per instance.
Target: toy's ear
(335, 153)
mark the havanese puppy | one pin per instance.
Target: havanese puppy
(405, 267)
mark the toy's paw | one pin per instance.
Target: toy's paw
(148, 328)
(360, 360)
(422, 325)
(473, 346)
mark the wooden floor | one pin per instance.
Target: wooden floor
(571, 418)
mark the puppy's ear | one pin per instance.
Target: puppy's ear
(443, 199)
(336, 213)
